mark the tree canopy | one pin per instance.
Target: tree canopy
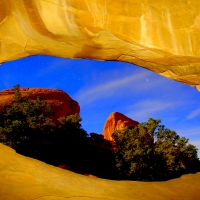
(151, 152)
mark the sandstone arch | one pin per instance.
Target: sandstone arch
(163, 36)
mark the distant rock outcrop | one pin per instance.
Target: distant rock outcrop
(116, 121)
(61, 103)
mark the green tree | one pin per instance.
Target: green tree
(22, 122)
(27, 127)
(150, 152)
(70, 124)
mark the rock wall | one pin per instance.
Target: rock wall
(163, 36)
(61, 103)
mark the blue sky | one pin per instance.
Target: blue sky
(102, 87)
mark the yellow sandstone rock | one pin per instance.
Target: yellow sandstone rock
(160, 35)
(23, 178)
(163, 36)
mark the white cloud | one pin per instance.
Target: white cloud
(195, 131)
(105, 89)
(148, 108)
(194, 114)
(119, 85)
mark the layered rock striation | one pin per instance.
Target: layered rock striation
(116, 121)
(161, 36)
(60, 102)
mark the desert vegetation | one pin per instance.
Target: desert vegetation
(147, 152)
(151, 152)
(27, 127)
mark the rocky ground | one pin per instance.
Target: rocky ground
(23, 178)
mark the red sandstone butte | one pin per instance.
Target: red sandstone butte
(61, 103)
(116, 121)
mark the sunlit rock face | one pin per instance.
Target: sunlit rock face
(24, 178)
(163, 36)
(60, 102)
(116, 121)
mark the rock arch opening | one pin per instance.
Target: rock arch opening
(101, 88)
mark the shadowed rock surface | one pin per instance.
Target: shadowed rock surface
(23, 178)
(60, 102)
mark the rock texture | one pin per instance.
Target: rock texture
(162, 36)
(61, 103)
(116, 121)
(23, 178)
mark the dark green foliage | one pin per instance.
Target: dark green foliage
(71, 127)
(26, 126)
(69, 140)
(99, 159)
(150, 152)
(22, 122)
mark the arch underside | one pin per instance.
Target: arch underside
(158, 35)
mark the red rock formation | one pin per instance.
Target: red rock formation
(61, 103)
(67, 167)
(116, 121)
